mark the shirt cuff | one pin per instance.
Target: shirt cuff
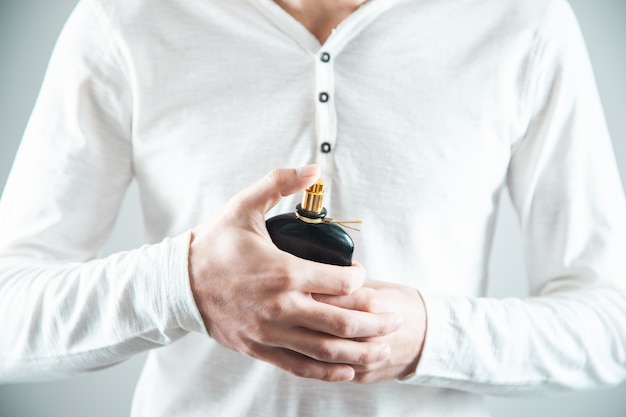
(178, 295)
(440, 350)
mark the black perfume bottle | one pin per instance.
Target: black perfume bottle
(309, 234)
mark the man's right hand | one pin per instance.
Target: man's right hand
(256, 299)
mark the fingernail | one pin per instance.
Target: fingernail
(307, 170)
(346, 374)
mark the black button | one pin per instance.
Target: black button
(323, 97)
(325, 147)
(325, 57)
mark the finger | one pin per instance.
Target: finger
(301, 311)
(344, 323)
(315, 277)
(302, 365)
(329, 349)
(278, 183)
(377, 374)
(363, 299)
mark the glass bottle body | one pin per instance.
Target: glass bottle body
(320, 242)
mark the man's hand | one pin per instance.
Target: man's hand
(256, 299)
(406, 344)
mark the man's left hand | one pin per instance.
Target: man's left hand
(406, 343)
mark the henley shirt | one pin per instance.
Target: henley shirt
(420, 114)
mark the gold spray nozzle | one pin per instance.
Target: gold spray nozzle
(313, 198)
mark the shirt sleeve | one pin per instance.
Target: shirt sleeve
(63, 311)
(563, 180)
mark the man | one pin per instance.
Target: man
(418, 114)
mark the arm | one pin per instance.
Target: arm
(62, 311)
(564, 184)
(571, 332)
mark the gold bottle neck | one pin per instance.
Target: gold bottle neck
(313, 198)
(312, 209)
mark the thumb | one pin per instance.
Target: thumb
(278, 183)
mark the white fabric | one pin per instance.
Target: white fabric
(434, 108)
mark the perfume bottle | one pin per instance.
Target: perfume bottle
(309, 234)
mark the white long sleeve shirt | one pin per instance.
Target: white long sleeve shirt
(419, 112)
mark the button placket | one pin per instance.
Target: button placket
(326, 147)
(325, 107)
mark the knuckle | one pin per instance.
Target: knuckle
(384, 328)
(330, 374)
(263, 338)
(274, 177)
(366, 357)
(288, 280)
(371, 303)
(346, 327)
(306, 372)
(326, 373)
(346, 286)
(297, 371)
(364, 378)
(272, 310)
(282, 278)
(248, 348)
(326, 351)
(352, 280)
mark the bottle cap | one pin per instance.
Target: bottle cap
(313, 198)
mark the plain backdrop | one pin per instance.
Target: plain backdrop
(28, 30)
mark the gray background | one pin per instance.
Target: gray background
(28, 30)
